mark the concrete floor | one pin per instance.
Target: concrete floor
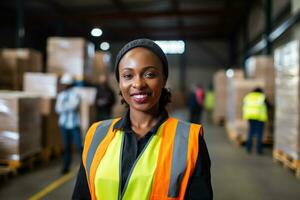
(235, 174)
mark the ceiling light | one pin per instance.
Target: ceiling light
(172, 46)
(229, 73)
(104, 46)
(96, 32)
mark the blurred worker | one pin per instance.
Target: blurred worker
(255, 111)
(209, 103)
(105, 99)
(145, 154)
(67, 106)
(196, 103)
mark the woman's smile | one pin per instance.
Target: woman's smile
(141, 97)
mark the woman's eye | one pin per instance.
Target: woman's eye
(150, 75)
(126, 76)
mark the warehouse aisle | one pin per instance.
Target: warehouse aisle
(235, 174)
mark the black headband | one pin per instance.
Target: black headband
(148, 44)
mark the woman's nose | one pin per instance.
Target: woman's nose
(139, 83)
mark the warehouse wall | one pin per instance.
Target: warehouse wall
(203, 58)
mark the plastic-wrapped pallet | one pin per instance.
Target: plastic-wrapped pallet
(20, 127)
(287, 137)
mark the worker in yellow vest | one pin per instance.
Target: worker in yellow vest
(209, 103)
(146, 154)
(255, 111)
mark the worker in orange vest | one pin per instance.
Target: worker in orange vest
(146, 154)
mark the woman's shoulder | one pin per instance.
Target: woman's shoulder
(184, 121)
(106, 122)
(188, 125)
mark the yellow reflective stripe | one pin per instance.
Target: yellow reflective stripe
(141, 178)
(107, 174)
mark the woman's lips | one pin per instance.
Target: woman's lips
(140, 98)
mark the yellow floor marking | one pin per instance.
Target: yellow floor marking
(54, 185)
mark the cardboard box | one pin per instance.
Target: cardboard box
(74, 56)
(43, 84)
(14, 63)
(20, 127)
(51, 135)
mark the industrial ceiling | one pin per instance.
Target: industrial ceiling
(128, 19)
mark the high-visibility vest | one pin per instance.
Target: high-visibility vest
(255, 107)
(209, 100)
(161, 172)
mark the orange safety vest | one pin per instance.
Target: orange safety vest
(178, 153)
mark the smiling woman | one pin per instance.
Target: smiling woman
(146, 154)
(141, 80)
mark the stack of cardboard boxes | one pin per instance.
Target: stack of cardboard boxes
(45, 85)
(20, 127)
(287, 134)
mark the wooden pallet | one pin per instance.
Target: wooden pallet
(233, 136)
(219, 121)
(240, 140)
(287, 161)
(47, 153)
(14, 165)
(5, 171)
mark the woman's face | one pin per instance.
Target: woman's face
(141, 79)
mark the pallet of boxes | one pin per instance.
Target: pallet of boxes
(45, 85)
(287, 96)
(20, 127)
(237, 89)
